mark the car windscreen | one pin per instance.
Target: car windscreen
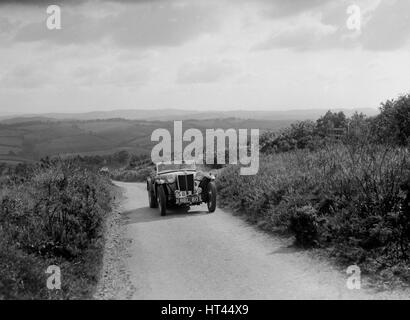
(163, 167)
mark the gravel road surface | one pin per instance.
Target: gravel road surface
(196, 255)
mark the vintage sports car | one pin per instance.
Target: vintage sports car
(180, 185)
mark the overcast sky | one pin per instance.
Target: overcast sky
(213, 54)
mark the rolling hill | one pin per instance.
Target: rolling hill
(31, 137)
(34, 139)
(178, 114)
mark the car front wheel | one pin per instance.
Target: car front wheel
(151, 198)
(211, 197)
(162, 201)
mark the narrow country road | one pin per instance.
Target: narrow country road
(196, 255)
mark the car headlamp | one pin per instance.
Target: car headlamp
(170, 178)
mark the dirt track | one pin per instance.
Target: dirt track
(196, 255)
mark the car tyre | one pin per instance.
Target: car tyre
(211, 197)
(162, 201)
(151, 197)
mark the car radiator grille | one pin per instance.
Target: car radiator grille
(186, 182)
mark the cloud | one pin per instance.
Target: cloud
(142, 24)
(25, 76)
(385, 27)
(39, 2)
(309, 35)
(64, 2)
(107, 48)
(280, 8)
(118, 75)
(206, 71)
(76, 29)
(33, 76)
(388, 28)
(165, 24)
(6, 25)
(307, 25)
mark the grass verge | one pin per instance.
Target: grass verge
(349, 203)
(53, 214)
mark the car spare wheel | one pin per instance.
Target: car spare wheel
(162, 200)
(211, 196)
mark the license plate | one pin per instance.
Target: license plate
(188, 200)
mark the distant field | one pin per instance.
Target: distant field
(40, 138)
(11, 141)
(9, 132)
(102, 152)
(13, 160)
(7, 149)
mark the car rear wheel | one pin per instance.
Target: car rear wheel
(211, 197)
(162, 201)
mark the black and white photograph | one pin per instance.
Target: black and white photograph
(221, 152)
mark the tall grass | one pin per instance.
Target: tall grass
(51, 215)
(131, 175)
(351, 198)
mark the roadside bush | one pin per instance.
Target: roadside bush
(392, 125)
(304, 224)
(352, 198)
(55, 217)
(21, 275)
(131, 175)
(299, 135)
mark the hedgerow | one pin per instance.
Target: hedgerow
(352, 200)
(52, 215)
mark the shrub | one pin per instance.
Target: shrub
(392, 125)
(330, 121)
(54, 217)
(299, 135)
(353, 198)
(131, 175)
(304, 224)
